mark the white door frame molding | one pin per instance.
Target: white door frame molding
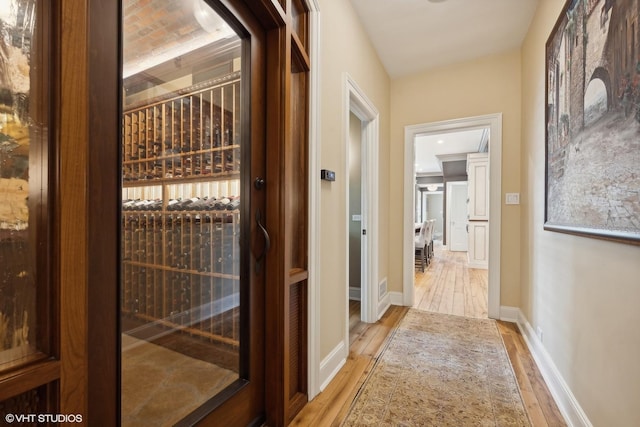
(494, 123)
(355, 101)
(313, 302)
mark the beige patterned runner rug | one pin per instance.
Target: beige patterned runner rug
(440, 370)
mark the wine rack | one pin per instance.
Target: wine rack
(188, 136)
(180, 212)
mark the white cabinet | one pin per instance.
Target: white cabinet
(478, 209)
(478, 172)
(478, 244)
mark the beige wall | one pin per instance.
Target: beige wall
(345, 48)
(483, 86)
(583, 293)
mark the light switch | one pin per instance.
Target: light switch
(512, 198)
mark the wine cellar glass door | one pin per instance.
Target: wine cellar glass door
(190, 300)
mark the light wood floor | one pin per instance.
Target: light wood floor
(447, 286)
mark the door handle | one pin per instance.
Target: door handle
(267, 241)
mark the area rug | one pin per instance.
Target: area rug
(440, 370)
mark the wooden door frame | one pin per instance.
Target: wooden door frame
(32, 381)
(83, 128)
(87, 131)
(284, 399)
(238, 408)
(88, 175)
(89, 182)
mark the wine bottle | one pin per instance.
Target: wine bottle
(128, 205)
(216, 136)
(199, 204)
(234, 204)
(222, 204)
(210, 203)
(183, 205)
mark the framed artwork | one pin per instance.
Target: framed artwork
(592, 183)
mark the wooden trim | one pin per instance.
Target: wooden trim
(103, 212)
(301, 61)
(298, 275)
(269, 12)
(71, 194)
(246, 405)
(23, 380)
(42, 102)
(275, 269)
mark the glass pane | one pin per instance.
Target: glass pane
(23, 171)
(181, 139)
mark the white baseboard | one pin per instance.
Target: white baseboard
(564, 398)
(478, 265)
(355, 293)
(332, 364)
(383, 305)
(509, 314)
(396, 298)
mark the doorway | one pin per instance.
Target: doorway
(492, 122)
(192, 300)
(364, 113)
(355, 210)
(76, 369)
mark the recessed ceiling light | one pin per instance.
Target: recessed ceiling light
(440, 141)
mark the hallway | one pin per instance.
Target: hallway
(447, 286)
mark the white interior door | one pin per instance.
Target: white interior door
(458, 216)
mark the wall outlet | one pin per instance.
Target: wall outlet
(512, 198)
(539, 333)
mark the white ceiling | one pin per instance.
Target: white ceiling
(427, 147)
(412, 36)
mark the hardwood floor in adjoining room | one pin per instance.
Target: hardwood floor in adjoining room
(449, 286)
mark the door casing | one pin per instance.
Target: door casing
(373, 305)
(494, 123)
